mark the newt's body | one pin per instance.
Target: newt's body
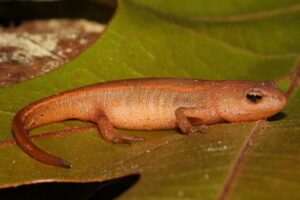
(149, 104)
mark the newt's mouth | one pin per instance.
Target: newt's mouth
(276, 117)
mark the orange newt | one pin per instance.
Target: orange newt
(149, 104)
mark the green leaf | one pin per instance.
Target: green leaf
(257, 40)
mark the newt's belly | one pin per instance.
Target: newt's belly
(140, 117)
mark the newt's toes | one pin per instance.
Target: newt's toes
(119, 140)
(135, 138)
(197, 129)
(126, 139)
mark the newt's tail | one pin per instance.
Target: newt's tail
(20, 133)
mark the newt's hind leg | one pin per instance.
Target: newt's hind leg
(109, 134)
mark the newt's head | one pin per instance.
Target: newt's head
(250, 101)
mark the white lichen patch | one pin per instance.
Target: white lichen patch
(24, 49)
(90, 26)
(47, 41)
(37, 47)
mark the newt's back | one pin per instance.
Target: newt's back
(150, 104)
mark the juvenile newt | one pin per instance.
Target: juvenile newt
(149, 104)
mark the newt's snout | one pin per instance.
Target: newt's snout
(280, 100)
(272, 102)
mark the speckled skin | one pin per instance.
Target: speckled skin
(148, 104)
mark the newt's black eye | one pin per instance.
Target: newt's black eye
(254, 96)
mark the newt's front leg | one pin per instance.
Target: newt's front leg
(108, 132)
(182, 115)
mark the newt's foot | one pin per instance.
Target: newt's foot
(197, 129)
(126, 139)
(109, 134)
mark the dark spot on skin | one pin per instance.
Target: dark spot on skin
(32, 123)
